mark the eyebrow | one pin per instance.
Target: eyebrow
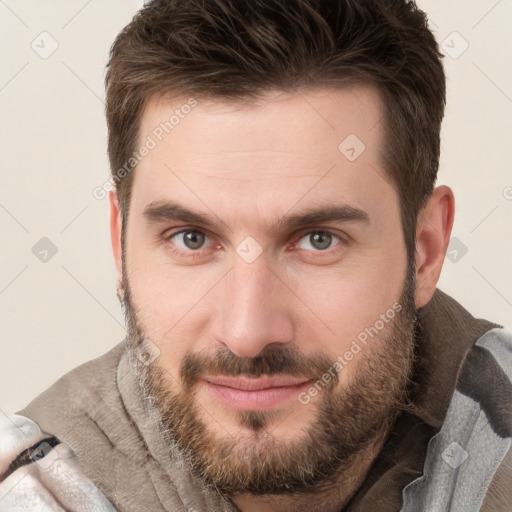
(169, 211)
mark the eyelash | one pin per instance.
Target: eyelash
(186, 254)
(342, 241)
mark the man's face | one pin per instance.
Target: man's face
(285, 341)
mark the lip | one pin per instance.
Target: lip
(254, 394)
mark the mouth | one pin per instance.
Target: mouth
(255, 394)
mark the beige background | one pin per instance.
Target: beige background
(58, 314)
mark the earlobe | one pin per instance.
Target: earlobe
(115, 233)
(434, 228)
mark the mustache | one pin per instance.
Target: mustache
(270, 362)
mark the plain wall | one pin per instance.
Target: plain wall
(62, 312)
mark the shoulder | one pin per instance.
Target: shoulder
(468, 465)
(487, 379)
(76, 390)
(85, 410)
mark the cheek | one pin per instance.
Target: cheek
(347, 301)
(162, 291)
(168, 306)
(166, 300)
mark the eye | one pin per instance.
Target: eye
(189, 239)
(318, 241)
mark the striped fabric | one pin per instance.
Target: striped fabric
(475, 438)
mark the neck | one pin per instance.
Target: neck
(332, 497)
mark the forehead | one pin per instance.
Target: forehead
(311, 118)
(301, 148)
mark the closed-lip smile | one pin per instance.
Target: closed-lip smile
(245, 393)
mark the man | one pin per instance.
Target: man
(278, 240)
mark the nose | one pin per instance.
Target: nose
(253, 310)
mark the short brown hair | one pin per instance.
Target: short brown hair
(239, 49)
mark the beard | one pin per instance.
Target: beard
(348, 420)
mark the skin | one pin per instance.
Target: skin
(246, 168)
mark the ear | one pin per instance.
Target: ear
(115, 234)
(433, 231)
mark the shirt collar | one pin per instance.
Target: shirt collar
(446, 334)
